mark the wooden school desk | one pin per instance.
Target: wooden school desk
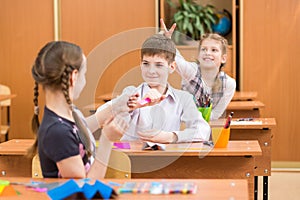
(244, 96)
(245, 108)
(258, 129)
(195, 160)
(212, 189)
(107, 96)
(13, 161)
(182, 161)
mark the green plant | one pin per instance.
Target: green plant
(193, 19)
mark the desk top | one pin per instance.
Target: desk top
(7, 96)
(245, 105)
(234, 148)
(238, 96)
(213, 189)
(255, 123)
(244, 96)
(15, 146)
(108, 96)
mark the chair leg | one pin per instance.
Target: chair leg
(6, 136)
(8, 122)
(8, 115)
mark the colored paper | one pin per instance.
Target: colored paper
(8, 191)
(121, 145)
(72, 189)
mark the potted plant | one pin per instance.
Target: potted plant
(192, 19)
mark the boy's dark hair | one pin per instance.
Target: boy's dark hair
(159, 44)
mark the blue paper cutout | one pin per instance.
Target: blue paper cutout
(97, 190)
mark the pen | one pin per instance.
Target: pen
(228, 121)
(245, 119)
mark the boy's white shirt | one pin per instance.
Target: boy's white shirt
(167, 116)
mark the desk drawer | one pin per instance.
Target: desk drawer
(15, 166)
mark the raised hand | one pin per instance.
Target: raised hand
(165, 31)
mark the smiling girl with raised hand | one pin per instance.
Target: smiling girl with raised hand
(206, 75)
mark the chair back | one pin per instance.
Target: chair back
(36, 167)
(119, 166)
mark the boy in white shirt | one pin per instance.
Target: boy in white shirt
(158, 109)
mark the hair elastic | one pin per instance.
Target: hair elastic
(36, 110)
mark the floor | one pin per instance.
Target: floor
(283, 185)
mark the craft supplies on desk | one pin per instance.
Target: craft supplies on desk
(159, 187)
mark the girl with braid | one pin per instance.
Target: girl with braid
(64, 142)
(206, 77)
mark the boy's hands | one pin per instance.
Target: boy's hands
(158, 136)
(155, 97)
(151, 98)
(132, 103)
(165, 31)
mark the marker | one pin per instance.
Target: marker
(228, 121)
(144, 101)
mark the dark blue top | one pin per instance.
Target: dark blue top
(58, 139)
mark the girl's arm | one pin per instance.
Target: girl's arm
(112, 131)
(107, 111)
(187, 70)
(71, 167)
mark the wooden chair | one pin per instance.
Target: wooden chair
(119, 166)
(5, 104)
(36, 167)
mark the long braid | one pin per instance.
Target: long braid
(83, 132)
(35, 123)
(217, 84)
(38, 77)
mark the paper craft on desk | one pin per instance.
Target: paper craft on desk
(121, 145)
(153, 146)
(72, 190)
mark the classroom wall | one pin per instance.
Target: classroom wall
(25, 27)
(271, 63)
(269, 53)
